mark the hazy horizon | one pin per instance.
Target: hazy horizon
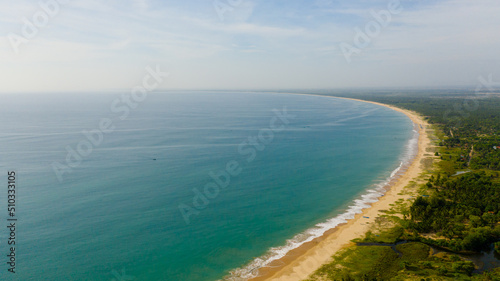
(56, 45)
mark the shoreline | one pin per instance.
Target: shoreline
(301, 262)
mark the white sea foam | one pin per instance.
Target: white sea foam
(371, 196)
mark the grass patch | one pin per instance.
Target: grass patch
(389, 236)
(414, 251)
(383, 263)
(358, 263)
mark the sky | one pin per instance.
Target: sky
(95, 45)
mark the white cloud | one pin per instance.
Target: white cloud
(425, 44)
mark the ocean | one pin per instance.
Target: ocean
(185, 185)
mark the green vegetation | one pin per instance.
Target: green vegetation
(383, 263)
(464, 209)
(390, 236)
(458, 202)
(363, 263)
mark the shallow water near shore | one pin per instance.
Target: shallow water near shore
(121, 213)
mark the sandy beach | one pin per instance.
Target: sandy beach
(303, 261)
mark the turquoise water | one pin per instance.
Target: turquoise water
(126, 210)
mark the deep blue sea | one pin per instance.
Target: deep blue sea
(184, 185)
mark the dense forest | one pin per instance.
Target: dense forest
(459, 205)
(463, 209)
